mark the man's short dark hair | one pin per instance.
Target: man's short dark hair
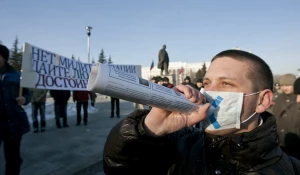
(259, 72)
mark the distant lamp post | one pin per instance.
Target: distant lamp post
(88, 30)
(298, 72)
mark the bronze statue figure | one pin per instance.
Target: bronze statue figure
(163, 61)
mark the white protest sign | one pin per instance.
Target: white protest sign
(42, 69)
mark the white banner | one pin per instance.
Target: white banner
(42, 69)
(116, 83)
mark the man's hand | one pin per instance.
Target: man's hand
(21, 100)
(161, 122)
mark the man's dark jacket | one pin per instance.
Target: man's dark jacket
(13, 118)
(129, 149)
(60, 97)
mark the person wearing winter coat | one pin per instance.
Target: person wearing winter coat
(242, 140)
(116, 101)
(287, 113)
(38, 104)
(166, 83)
(82, 100)
(93, 97)
(188, 81)
(199, 84)
(61, 98)
(13, 119)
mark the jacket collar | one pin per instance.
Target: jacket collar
(250, 149)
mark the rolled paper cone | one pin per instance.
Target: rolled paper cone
(113, 82)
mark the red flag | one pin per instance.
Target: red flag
(181, 70)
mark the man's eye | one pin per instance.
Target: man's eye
(227, 84)
(205, 83)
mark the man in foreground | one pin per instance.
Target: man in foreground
(242, 142)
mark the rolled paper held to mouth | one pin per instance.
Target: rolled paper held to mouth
(113, 82)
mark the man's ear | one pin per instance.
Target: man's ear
(264, 101)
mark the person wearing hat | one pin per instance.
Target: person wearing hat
(287, 114)
(297, 89)
(187, 81)
(13, 119)
(153, 79)
(166, 83)
(199, 84)
(159, 80)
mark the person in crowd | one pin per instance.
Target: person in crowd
(199, 84)
(93, 97)
(153, 79)
(82, 100)
(166, 82)
(187, 81)
(159, 80)
(287, 113)
(277, 89)
(38, 104)
(13, 119)
(243, 141)
(114, 101)
(61, 98)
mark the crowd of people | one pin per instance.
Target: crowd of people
(61, 98)
(264, 138)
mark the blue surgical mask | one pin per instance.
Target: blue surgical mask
(225, 110)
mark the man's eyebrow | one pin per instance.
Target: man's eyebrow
(227, 78)
(222, 78)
